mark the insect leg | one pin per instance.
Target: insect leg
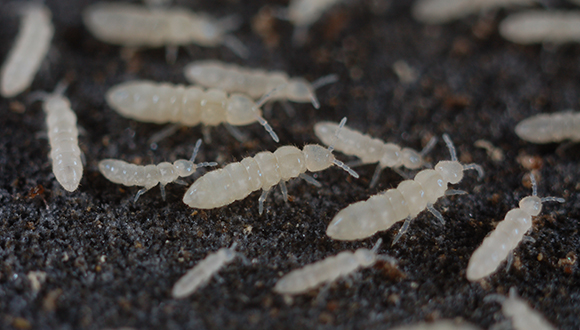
(236, 46)
(236, 133)
(181, 182)
(164, 133)
(162, 188)
(510, 261)
(206, 134)
(310, 180)
(261, 201)
(171, 54)
(141, 192)
(288, 108)
(451, 192)
(376, 175)
(402, 230)
(401, 173)
(284, 190)
(436, 213)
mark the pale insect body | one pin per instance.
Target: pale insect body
(411, 197)
(65, 153)
(304, 13)
(371, 150)
(160, 103)
(200, 275)
(538, 26)
(328, 270)
(443, 11)
(508, 234)
(263, 171)
(139, 26)
(438, 325)
(30, 48)
(254, 82)
(149, 176)
(520, 313)
(548, 128)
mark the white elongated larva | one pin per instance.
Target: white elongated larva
(520, 313)
(200, 275)
(254, 82)
(411, 197)
(140, 26)
(371, 150)
(65, 153)
(160, 103)
(443, 11)
(304, 13)
(263, 171)
(149, 176)
(438, 325)
(30, 48)
(507, 235)
(538, 26)
(328, 270)
(548, 128)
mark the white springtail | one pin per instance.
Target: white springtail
(550, 127)
(520, 313)
(507, 235)
(200, 275)
(30, 48)
(411, 197)
(254, 82)
(133, 25)
(438, 325)
(328, 270)
(149, 176)
(538, 26)
(371, 150)
(263, 171)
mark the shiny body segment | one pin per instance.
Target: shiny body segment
(549, 128)
(363, 219)
(160, 103)
(31, 46)
(253, 82)
(328, 270)
(539, 26)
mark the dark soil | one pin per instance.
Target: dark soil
(110, 262)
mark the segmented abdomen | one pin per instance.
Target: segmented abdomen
(496, 247)
(121, 172)
(351, 142)
(311, 276)
(199, 275)
(546, 128)
(63, 138)
(233, 78)
(161, 103)
(380, 212)
(237, 180)
(126, 24)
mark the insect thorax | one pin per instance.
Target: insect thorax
(317, 157)
(451, 171)
(241, 110)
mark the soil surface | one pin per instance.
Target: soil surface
(94, 259)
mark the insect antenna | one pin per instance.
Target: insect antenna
(331, 148)
(543, 199)
(377, 245)
(195, 151)
(430, 145)
(450, 146)
(322, 81)
(261, 119)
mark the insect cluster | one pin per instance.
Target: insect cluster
(233, 95)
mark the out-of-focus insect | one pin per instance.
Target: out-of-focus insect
(304, 13)
(31, 47)
(160, 103)
(411, 197)
(507, 235)
(443, 11)
(520, 313)
(538, 26)
(140, 26)
(149, 176)
(254, 82)
(371, 150)
(263, 171)
(200, 275)
(328, 270)
(548, 128)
